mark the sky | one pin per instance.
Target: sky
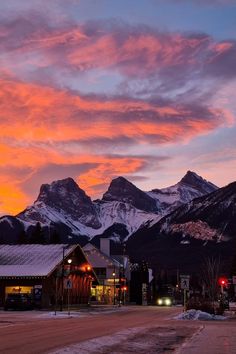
(96, 89)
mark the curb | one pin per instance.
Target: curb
(188, 340)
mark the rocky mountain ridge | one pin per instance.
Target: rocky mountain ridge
(65, 206)
(205, 227)
(209, 218)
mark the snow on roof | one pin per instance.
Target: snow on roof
(31, 260)
(89, 246)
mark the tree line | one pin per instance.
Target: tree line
(39, 235)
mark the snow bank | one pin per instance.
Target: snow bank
(198, 315)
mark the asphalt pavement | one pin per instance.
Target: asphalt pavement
(217, 337)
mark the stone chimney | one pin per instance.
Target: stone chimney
(105, 246)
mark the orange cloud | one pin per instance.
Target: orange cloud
(12, 199)
(40, 126)
(34, 113)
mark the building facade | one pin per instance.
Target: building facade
(112, 272)
(50, 274)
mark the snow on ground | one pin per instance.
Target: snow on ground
(136, 340)
(81, 312)
(97, 345)
(198, 315)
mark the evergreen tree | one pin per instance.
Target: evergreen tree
(37, 236)
(22, 238)
(55, 237)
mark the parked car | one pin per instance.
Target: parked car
(18, 302)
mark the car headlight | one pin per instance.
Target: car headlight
(168, 302)
(159, 301)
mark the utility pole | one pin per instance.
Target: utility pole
(62, 277)
(124, 275)
(114, 285)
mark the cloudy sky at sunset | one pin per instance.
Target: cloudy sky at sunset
(95, 89)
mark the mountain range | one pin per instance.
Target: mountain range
(202, 228)
(171, 227)
(123, 209)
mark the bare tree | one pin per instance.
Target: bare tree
(210, 276)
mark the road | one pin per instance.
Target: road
(32, 332)
(125, 330)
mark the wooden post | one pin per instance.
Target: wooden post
(56, 298)
(68, 300)
(185, 298)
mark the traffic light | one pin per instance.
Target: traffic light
(223, 282)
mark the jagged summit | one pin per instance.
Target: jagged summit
(66, 188)
(193, 179)
(66, 197)
(190, 177)
(124, 191)
(119, 184)
(189, 187)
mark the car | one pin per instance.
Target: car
(19, 301)
(164, 301)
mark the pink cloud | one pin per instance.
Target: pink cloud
(132, 52)
(46, 123)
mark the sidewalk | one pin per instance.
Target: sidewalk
(212, 338)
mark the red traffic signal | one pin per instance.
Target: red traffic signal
(223, 281)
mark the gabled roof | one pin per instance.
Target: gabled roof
(31, 260)
(110, 259)
(124, 260)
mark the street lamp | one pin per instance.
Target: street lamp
(88, 269)
(114, 284)
(69, 261)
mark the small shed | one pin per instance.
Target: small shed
(49, 273)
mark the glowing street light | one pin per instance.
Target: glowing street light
(114, 284)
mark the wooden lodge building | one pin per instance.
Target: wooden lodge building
(46, 272)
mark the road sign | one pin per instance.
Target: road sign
(184, 282)
(68, 284)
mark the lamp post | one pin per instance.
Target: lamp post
(87, 270)
(62, 275)
(114, 284)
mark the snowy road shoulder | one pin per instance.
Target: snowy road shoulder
(199, 315)
(133, 340)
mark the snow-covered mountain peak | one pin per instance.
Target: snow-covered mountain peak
(63, 202)
(192, 179)
(124, 191)
(67, 197)
(119, 185)
(64, 188)
(189, 187)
